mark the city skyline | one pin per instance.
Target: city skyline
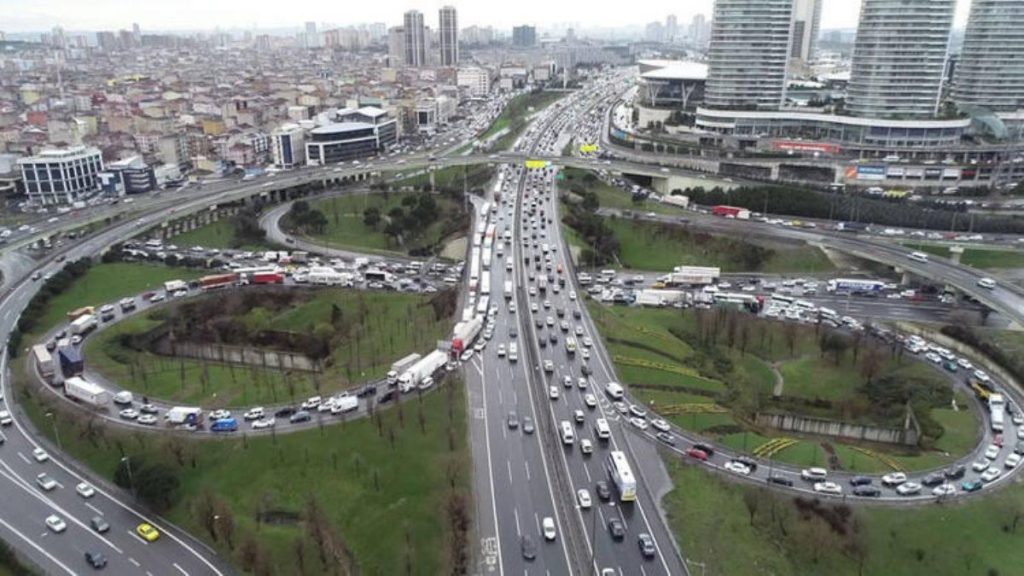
(28, 16)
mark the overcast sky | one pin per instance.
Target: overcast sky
(39, 15)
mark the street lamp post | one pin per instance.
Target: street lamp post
(56, 432)
(131, 479)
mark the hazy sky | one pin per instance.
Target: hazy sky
(39, 15)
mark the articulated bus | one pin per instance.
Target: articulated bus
(622, 475)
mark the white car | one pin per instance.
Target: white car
(553, 392)
(128, 414)
(828, 488)
(587, 341)
(55, 524)
(1012, 460)
(220, 414)
(908, 489)
(991, 474)
(147, 420)
(813, 474)
(572, 294)
(992, 452)
(944, 490)
(45, 482)
(660, 425)
(894, 479)
(40, 455)
(738, 468)
(581, 383)
(548, 527)
(640, 423)
(583, 497)
(85, 490)
(590, 400)
(501, 350)
(5, 418)
(586, 446)
(980, 466)
(263, 423)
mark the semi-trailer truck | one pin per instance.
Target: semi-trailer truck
(86, 392)
(465, 333)
(83, 324)
(217, 281)
(401, 366)
(172, 286)
(997, 411)
(44, 361)
(79, 312)
(417, 374)
(71, 362)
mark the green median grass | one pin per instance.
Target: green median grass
(385, 485)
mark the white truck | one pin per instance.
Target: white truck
(326, 276)
(172, 286)
(44, 360)
(401, 366)
(346, 403)
(418, 373)
(83, 324)
(86, 392)
(508, 289)
(465, 333)
(692, 276)
(997, 410)
(183, 414)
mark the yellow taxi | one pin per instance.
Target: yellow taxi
(147, 532)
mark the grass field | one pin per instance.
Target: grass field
(977, 257)
(346, 229)
(741, 530)
(105, 283)
(514, 115)
(647, 246)
(385, 486)
(381, 328)
(219, 234)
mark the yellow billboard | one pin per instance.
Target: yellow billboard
(536, 164)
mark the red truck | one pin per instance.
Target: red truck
(218, 281)
(267, 278)
(731, 212)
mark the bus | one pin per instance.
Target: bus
(782, 300)
(855, 286)
(622, 475)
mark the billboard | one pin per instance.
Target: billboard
(871, 172)
(896, 172)
(951, 174)
(537, 164)
(915, 172)
(932, 173)
(802, 146)
(588, 148)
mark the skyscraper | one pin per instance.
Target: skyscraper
(671, 28)
(415, 39)
(699, 30)
(448, 30)
(806, 26)
(524, 36)
(748, 54)
(990, 72)
(396, 47)
(899, 57)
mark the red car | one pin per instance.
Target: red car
(697, 454)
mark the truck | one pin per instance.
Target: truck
(424, 368)
(692, 276)
(401, 366)
(570, 345)
(508, 289)
(326, 276)
(465, 333)
(853, 227)
(997, 411)
(184, 415)
(71, 362)
(172, 286)
(83, 324)
(344, 403)
(731, 212)
(217, 281)
(44, 361)
(676, 200)
(86, 392)
(267, 278)
(79, 312)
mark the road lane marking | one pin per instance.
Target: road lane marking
(94, 509)
(37, 547)
(22, 456)
(133, 560)
(519, 532)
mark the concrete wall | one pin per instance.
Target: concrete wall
(238, 355)
(821, 427)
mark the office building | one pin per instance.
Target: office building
(699, 30)
(354, 134)
(448, 35)
(477, 81)
(671, 28)
(524, 36)
(286, 145)
(990, 71)
(127, 176)
(747, 58)
(806, 27)
(415, 39)
(61, 176)
(396, 47)
(899, 57)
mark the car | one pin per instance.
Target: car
(697, 454)
(128, 414)
(46, 482)
(220, 414)
(147, 532)
(40, 455)
(148, 409)
(513, 421)
(263, 423)
(646, 544)
(944, 489)
(908, 489)
(529, 547)
(581, 383)
(604, 491)
(620, 407)
(5, 418)
(528, 425)
(548, 528)
(955, 472)
(666, 438)
(933, 479)
(96, 560)
(567, 381)
(828, 488)
(586, 447)
(894, 479)
(147, 420)
(980, 466)
(553, 392)
(255, 413)
(705, 448)
(85, 490)
(501, 350)
(991, 474)
(971, 485)
(583, 497)
(660, 425)
(638, 411)
(867, 491)
(579, 416)
(992, 452)
(99, 524)
(300, 416)
(737, 468)
(1012, 461)
(616, 529)
(640, 423)
(549, 366)
(813, 474)
(780, 480)
(860, 481)
(590, 400)
(55, 524)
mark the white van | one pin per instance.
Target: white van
(568, 434)
(601, 428)
(918, 257)
(987, 283)
(613, 390)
